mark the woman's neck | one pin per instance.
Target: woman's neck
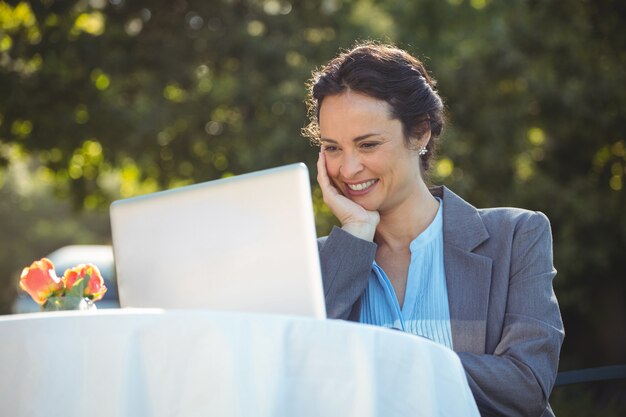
(400, 225)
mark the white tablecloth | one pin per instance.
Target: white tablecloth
(139, 363)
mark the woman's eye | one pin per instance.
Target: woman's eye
(330, 148)
(369, 145)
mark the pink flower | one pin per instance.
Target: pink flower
(40, 280)
(94, 288)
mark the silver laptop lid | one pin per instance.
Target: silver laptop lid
(244, 243)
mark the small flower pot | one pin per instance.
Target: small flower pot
(68, 303)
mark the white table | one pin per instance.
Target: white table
(139, 363)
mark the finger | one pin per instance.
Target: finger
(321, 165)
(322, 174)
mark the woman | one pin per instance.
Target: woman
(423, 260)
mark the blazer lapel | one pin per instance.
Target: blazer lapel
(468, 275)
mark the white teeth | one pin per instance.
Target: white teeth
(361, 186)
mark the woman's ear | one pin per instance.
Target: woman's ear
(423, 141)
(420, 138)
(421, 135)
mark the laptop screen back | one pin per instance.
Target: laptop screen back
(243, 243)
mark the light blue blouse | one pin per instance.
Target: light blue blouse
(425, 311)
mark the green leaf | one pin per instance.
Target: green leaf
(77, 289)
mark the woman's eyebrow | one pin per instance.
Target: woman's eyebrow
(357, 139)
(366, 136)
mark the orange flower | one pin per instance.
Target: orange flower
(94, 288)
(72, 275)
(40, 280)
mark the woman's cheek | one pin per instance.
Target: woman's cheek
(332, 167)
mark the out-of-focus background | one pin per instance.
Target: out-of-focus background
(101, 100)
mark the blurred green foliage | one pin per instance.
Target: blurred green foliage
(108, 99)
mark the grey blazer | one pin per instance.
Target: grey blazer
(505, 319)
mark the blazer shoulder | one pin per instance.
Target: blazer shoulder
(513, 219)
(467, 227)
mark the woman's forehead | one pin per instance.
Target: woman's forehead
(353, 105)
(351, 115)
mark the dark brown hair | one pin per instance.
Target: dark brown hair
(387, 73)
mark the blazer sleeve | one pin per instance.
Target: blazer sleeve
(346, 262)
(517, 379)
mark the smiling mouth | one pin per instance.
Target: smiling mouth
(361, 186)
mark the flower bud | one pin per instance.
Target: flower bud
(40, 280)
(94, 287)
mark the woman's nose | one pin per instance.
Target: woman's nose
(350, 165)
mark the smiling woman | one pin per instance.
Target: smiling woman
(357, 133)
(419, 259)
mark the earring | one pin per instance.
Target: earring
(421, 151)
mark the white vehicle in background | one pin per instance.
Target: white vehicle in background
(69, 256)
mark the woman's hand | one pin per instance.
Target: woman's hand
(354, 218)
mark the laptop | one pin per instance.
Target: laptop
(244, 243)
